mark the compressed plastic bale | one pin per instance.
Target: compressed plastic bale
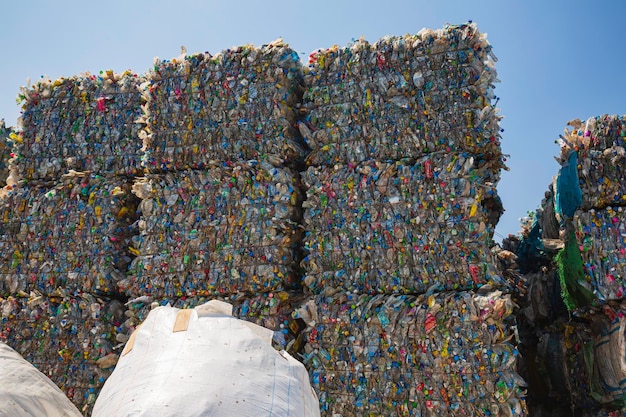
(24, 391)
(601, 238)
(403, 97)
(233, 106)
(67, 337)
(270, 310)
(600, 143)
(441, 354)
(83, 123)
(204, 361)
(398, 227)
(221, 230)
(72, 234)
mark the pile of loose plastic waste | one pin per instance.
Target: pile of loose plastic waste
(84, 123)
(236, 105)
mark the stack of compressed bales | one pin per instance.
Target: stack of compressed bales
(591, 200)
(220, 207)
(402, 198)
(575, 247)
(68, 215)
(405, 158)
(83, 123)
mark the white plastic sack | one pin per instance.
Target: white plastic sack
(204, 362)
(26, 392)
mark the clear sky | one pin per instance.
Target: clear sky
(558, 59)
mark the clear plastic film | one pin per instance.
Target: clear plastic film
(73, 234)
(443, 354)
(222, 230)
(398, 227)
(236, 105)
(72, 339)
(85, 123)
(403, 97)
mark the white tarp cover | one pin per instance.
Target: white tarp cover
(24, 391)
(204, 362)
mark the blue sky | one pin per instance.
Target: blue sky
(558, 60)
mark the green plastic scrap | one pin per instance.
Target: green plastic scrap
(571, 275)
